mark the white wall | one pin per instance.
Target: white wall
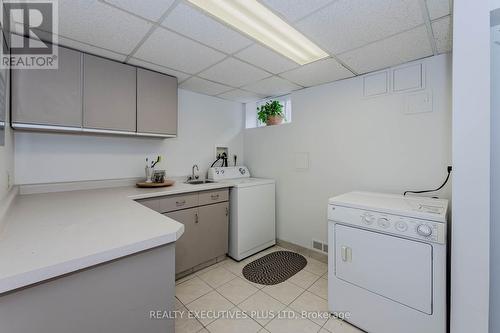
(354, 143)
(204, 122)
(495, 181)
(471, 163)
(7, 158)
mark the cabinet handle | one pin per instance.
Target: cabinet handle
(196, 220)
(227, 211)
(343, 252)
(180, 203)
(346, 253)
(215, 196)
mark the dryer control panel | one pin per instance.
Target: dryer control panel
(426, 230)
(221, 173)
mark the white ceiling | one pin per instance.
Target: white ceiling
(173, 37)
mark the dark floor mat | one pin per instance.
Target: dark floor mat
(274, 268)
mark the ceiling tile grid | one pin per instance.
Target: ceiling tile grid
(265, 58)
(95, 50)
(442, 29)
(319, 72)
(242, 96)
(203, 86)
(292, 10)
(348, 24)
(190, 22)
(175, 38)
(438, 8)
(234, 73)
(273, 86)
(165, 70)
(152, 11)
(407, 46)
(99, 24)
(171, 50)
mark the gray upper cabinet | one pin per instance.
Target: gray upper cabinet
(89, 94)
(49, 96)
(109, 95)
(156, 103)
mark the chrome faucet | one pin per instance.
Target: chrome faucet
(193, 176)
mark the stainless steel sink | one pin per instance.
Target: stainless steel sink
(199, 181)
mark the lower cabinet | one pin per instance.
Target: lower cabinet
(213, 230)
(186, 254)
(206, 230)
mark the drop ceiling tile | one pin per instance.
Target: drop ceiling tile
(90, 49)
(234, 73)
(148, 65)
(203, 86)
(150, 9)
(241, 96)
(272, 86)
(443, 34)
(265, 58)
(438, 8)
(171, 50)
(73, 44)
(348, 24)
(293, 10)
(192, 23)
(407, 46)
(318, 72)
(96, 23)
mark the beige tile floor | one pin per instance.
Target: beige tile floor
(222, 289)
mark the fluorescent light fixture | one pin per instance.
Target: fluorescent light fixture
(257, 21)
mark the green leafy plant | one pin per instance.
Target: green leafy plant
(270, 109)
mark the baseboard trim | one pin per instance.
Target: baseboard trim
(323, 257)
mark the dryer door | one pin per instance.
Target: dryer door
(391, 267)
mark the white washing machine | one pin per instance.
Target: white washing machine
(252, 223)
(387, 262)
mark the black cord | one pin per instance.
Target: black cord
(217, 160)
(440, 187)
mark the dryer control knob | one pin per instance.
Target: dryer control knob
(368, 219)
(424, 230)
(401, 226)
(384, 222)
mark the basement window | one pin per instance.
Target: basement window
(251, 111)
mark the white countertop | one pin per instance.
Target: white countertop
(50, 234)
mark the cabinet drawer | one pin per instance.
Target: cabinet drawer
(151, 203)
(176, 202)
(210, 197)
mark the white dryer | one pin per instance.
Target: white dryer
(252, 223)
(387, 262)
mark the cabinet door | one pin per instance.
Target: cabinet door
(49, 97)
(214, 226)
(109, 95)
(156, 103)
(186, 247)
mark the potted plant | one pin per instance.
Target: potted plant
(271, 113)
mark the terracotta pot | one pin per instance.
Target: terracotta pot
(274, 120)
